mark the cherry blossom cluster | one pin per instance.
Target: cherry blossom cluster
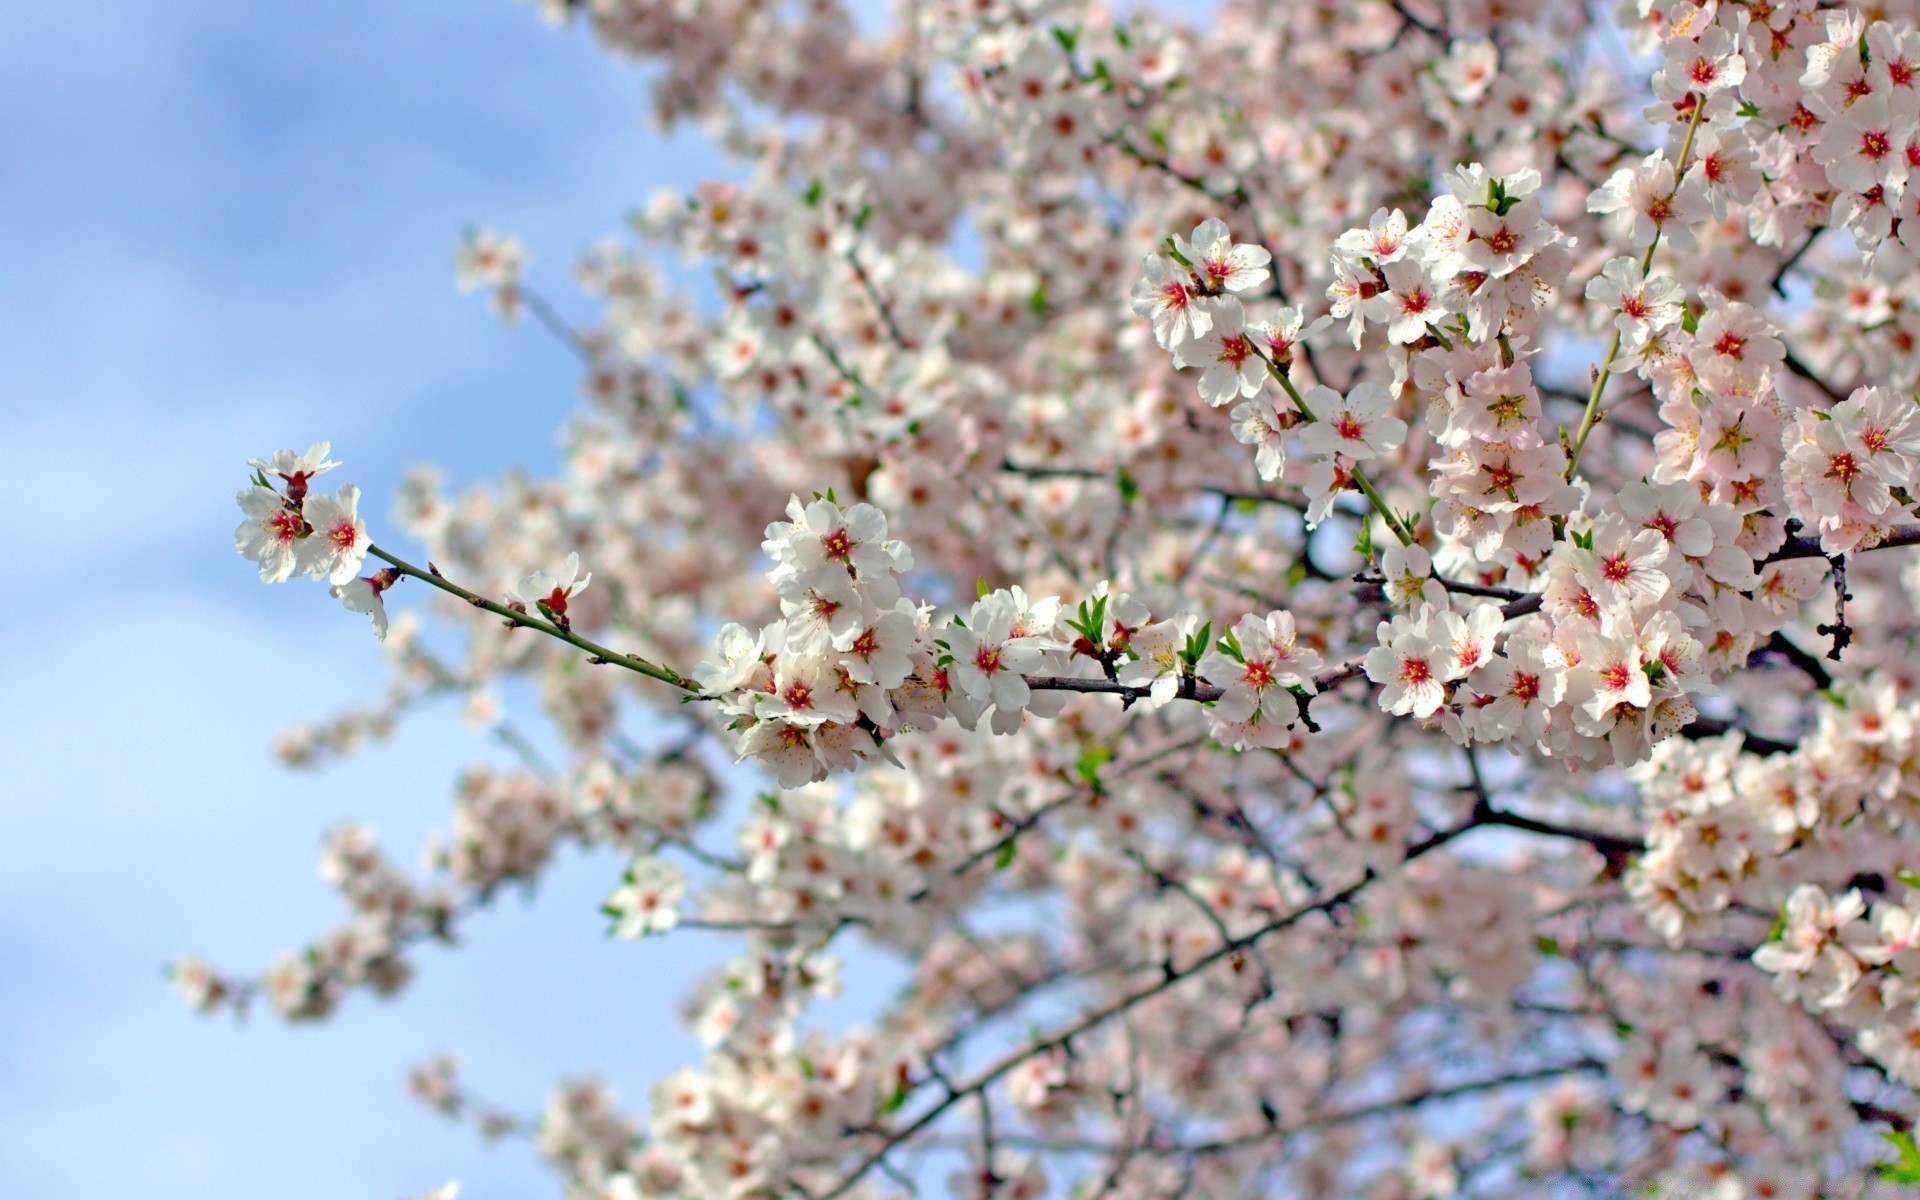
(1403, 681)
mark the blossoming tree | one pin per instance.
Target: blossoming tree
(1328, 577)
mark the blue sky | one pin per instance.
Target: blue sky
(226, 228)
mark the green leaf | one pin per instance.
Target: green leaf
(815, 190)
(1092, 759)
(1037, 301)
(893, 1103)
(1066, 37)
(1907, 1170)
(1548, 946)
(1004, 857)
(980, 588)
(1908, 876)
(1689, 320)
(1129, 490)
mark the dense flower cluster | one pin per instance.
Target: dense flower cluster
(1340, 607)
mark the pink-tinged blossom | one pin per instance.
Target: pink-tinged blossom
(1410, 303)
(338, 542)
(1384, 240)
(297, 471)
(364, 595)
(1623, 565)
(1230, 364)
(1355, 425)
(1166, 295)
(552, 594)
(989, 663)
(1860, 148)
(270, 533)
(1257, 701)
(1222, 264)
(1516, 690)
(1641, 304)
(1406, 573)
(647, 902)
(1257, 424)
(1646, 203)
(1410, 665)
(1156, 663)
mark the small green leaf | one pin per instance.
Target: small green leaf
(1004, 857)
(980, 588)
(893, 1103)
(1907, 1170)
(1091, 760)
(1129, 490)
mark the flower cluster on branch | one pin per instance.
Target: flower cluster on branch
(1339, 607)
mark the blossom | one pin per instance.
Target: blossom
(1220, 262)
(1257, 424)
(338, 541)
(1409, 304)
(296, 470)
(1165, 294)
(552, 593)
(819, 539)
(1230, 365)
(989, 663)
(363, 595)
(1383, 241)
(1516, 691)
(1647, 202)
(1858, 147)
(1407, 572)
(1355, 425)
(1642, 304)
(1410, 665)
(1156, 663)
(1256, 697)
(271, 532)
(648, 899)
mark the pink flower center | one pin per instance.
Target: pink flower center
(1616, 677)
(1258, 675)
(1874, 144)
(1235, 349)
(1615, 568)
(987, 658)
(837, 545)
(1415, 671)
(798, 695)
(1842, 468)
(1350, 428)
(1524, 687)
(1730, 344)
(344, 535)
(284, 525)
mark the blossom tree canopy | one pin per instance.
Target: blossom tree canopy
(1327, 577)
